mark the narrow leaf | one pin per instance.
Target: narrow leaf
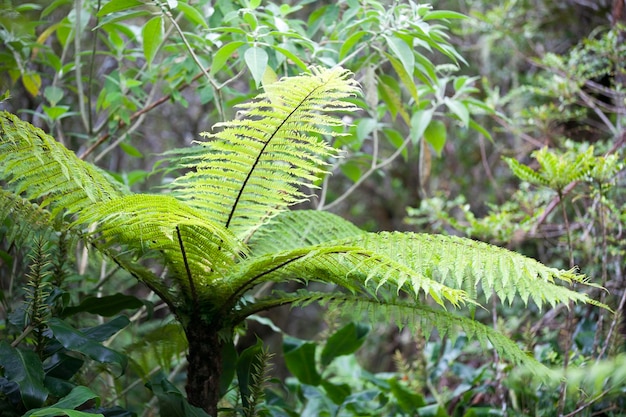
(223, 55)
(192, 14)
(152, 33)
(403, 52)
(105, 306)
(458, 109)
(117, 6)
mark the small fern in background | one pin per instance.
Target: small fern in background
(225, 230)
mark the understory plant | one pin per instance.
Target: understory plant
(216, 243)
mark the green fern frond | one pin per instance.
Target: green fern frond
(525, 173)
(555, 171)
(254, 168)
(464, 264)
(26, 219)
(301, 228)
(40, 168)
(194, 247)
(344, 263)
(418, 317)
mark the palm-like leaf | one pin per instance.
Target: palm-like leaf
(254, 167)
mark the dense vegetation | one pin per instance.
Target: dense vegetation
(138, 252)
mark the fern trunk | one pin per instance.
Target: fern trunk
(205, 366)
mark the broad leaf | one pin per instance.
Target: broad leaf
(25, 369)
(78, 341)
(345, 341)
(300, 360)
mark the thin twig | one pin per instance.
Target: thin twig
(357, 184)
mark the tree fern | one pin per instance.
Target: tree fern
(254, 167)
(226, 229)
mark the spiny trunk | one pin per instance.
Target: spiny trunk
(205, 366)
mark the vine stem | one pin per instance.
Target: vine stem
(357, 184)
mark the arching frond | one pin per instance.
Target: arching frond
(418, 317)
(195, 248)
(254, 168)
(40, 168)
(465, 264)
(301, 228)
(352, 267)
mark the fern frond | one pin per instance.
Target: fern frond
(350, 266)
(300, 228)
(424, 319)
(41, 169)
(555, 171)
(464, 264)
(418, 317)
(254, 168)
(192, 246)
(26, 219)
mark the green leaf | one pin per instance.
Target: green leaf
(459, 109)
(229, 366)
(349, 43)
(55, 112)
(78, 341)
(405, 76)
(171, 402)
(25, 369)
(32, 83)
(419, 122)
(192, 14)
(408, 400)
(223, 54)
(117, 6)
(152, 34)
(395, 138)
(403, 52)
(296, 60)
(104, 331)
(55, 412)
(336, 392)
(53, 94)
(435, 134)
(105, 306)
(300, 360)
(256, 59)
(351, 170)
(443, 14)
(77, 397)
(130, 150)
(344, 342)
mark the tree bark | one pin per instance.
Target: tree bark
(205, 365)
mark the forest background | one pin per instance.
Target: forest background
(503, 123)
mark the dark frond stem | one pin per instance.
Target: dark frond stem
(192, 287)
(239, 291)
(256, 162)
